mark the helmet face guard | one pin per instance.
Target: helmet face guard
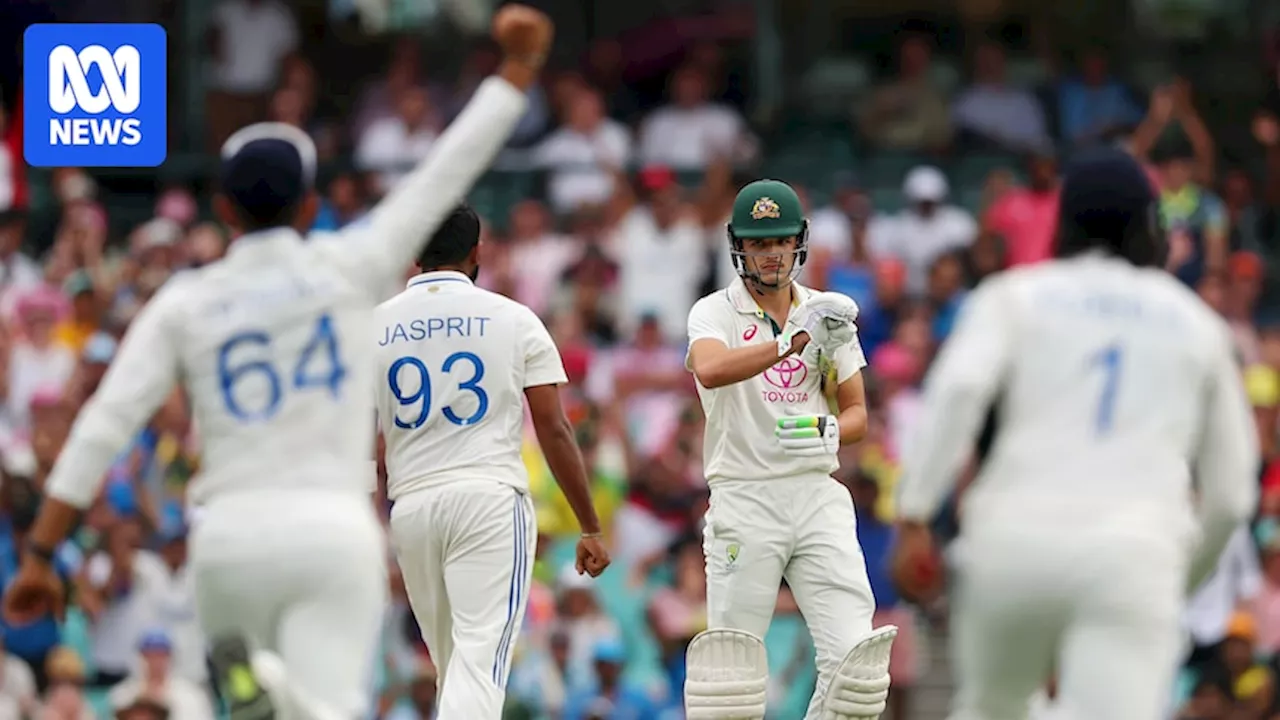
(786, 272)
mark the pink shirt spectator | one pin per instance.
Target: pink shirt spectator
(1028, 221)
(1267, 609)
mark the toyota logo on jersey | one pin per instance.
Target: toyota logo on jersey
(786, 376)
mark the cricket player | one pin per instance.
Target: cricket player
(1122, 459)
(454, 363)
(270, 345)
(778, 370)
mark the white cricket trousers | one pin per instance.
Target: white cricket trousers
(1101, 611)
(302, 574)
(802, 529)
(466, 551)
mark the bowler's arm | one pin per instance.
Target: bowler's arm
(400, 225)
(559, 447)
(958, 393)
(139, 380)
(1226, 464)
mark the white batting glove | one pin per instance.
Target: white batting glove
(828, 318)
(808, 435)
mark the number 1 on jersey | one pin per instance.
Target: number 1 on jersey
(1110, 359)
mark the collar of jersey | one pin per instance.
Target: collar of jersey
(253, 244)
(438, 277)
(742, 301)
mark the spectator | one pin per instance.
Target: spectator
(1243, 288)
(659, 248)
(927, 228)
(946, 291)
(154, 680)
(86, 313)
(64, 698)
(910, 111)
(875, 536)
(651, 384)
(837, 232)
(176, 604)
(541, 255)
(582, 620)
(1195, 219)
(992, 114)
(392, 146)
(205, 243)
(1253, 683)
(343, 204)
(248, 39)
(17, 686)
(380, 98)
(1027, 218)
(611, 697)
(604, 68)
(117, 589)
(480, 64)
(678, 612)
(19, 274)
(36, 362)
(584, 155)
(1233, 586)
(691, 132)
(421, 697)
(1092, 105)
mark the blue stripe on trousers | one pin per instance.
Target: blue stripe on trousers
(515, 589)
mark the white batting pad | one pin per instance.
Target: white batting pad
(727, 676)
(859, 689)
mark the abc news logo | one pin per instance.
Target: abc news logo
(69, 92)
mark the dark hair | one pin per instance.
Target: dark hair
(1107, 203)
(453, 241)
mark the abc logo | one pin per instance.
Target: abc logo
(69, 90)
(96, 95)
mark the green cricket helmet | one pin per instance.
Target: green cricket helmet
(767, 209)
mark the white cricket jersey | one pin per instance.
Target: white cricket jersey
(453, 363)
(741, 418)
(271, 343)
(1112, 385)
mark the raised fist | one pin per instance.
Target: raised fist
(523, 33)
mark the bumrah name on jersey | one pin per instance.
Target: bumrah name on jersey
(433, 328)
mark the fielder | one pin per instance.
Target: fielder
(1123, 458)
(270, 345)
(771, 359)
(454, 362)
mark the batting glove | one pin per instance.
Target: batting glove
(828, 318)
(808, 435)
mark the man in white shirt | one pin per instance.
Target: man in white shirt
(692, 131)
(270, 345)
(454, 362)
(1117, 403)
(926, 228)
(248, 40)
(584, 155)
(392, 146)
(778, 370)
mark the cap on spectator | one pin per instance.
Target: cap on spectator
(1262, 385)
(44, 301)
(267, 167)
(45, 397)
(1242, 626)
(155, 640)
(78, 283)
(177, 205)
(99, 349)
(569, 579)
(656, 177)
(893, 362)
(64, 664)
(20, 461)
(1244, 265)
(157, 232)
(926, 184)
(609, 651)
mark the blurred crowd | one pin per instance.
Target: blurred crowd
(610, 230)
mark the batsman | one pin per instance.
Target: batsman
(778, 370)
